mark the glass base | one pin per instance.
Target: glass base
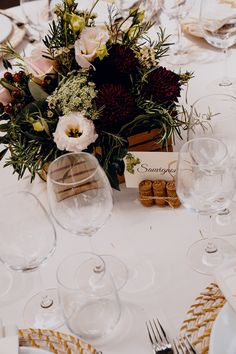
(206, 262)
(118, 270)
(43, 310)
(5, 281)
(223, 224)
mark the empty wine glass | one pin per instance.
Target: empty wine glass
(37, 15)
(28, 240)
(214, 116)
(205, 183)
(88, 296)
(80, 199)
(218, 24)
(177, 10)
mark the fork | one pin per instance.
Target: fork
(158, 337)
(184, 346)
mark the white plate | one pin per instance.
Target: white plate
(223, 338)
(5, 28)
(27, 350)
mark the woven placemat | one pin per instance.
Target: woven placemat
(201, 316)
(54, 342)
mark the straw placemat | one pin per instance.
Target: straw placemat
(201, 316)
(54, 342)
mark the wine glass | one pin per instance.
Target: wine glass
(37, 20)
(151, 8)
(205, 183)
(177, 10)
(88, 296)
(214, 116)
(80, 200)
(218, 24)
(27, 241)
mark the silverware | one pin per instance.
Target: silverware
(158, 338)
(184, 346)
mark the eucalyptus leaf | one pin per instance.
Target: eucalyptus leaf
(7, 85)
(36, 91)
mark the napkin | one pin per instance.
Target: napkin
(191, 25)
(9, 343)
(225, 276)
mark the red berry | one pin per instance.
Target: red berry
(19, 106)
(17, 77)
(8, 108)
(8, 76)
(16, 94)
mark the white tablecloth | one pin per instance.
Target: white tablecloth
(152, 240)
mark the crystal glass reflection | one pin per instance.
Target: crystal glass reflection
(27, 241)
(205, 184)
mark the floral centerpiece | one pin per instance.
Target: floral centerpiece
(87, 87)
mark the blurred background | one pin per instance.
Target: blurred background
(4, 4)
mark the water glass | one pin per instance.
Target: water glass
(89, 300)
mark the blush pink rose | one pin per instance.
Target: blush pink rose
(39, 66)
(91, 39)
(5, 96)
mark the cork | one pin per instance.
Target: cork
(145, 192)
(159, 191)
(172, 195)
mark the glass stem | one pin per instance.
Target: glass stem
(179, 36)
(46, 302)
(225, 81)
(211, 247)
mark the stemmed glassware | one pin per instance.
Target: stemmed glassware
(28, 240)
(214, 116)
(205, 183)
(80, 199)
(177, 10)
(37, 20)
(218, 25)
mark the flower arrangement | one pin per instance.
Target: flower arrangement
(87, 87)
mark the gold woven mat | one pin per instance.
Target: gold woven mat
(54, 342)
(201, 316)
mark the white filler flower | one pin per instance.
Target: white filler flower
(74, 132)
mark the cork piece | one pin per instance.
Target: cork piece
(173, 199)
(159, 190)
(146, 193)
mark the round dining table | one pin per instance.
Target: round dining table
(152, 242)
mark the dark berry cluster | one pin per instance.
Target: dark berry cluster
(49, 83)
(18, 89)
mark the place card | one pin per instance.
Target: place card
(149, 165)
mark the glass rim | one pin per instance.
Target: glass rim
(212, 95)
(226, 154)
(61, 283)
(82, 181)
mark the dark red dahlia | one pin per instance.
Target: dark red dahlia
(163, 86)
(118, 107)
(117, 67)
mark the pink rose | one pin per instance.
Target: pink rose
(5, 96)
(90, 41)
(39, 66)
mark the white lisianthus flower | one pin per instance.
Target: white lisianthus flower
(74, 132)
(90, 41)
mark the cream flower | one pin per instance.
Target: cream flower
(86, 47)
(74, 132)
